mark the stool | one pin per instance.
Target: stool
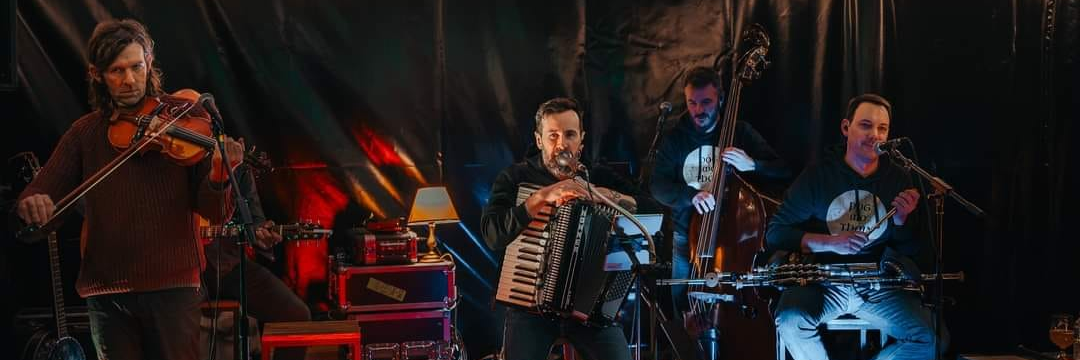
(845, 322)
(207, 307)
(310, 333)
(214, 311)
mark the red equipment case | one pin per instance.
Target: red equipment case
(421, 286)
(383, 248)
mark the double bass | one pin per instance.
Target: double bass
(729, 237)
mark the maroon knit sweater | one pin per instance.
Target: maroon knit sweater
(138, 234)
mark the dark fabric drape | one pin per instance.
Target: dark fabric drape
(360, 103)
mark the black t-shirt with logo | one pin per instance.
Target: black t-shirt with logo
(686, 159)
(829, 197)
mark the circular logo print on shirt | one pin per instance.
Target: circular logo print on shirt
(851, 212)
(697, 170)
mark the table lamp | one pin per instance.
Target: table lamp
(432, 206)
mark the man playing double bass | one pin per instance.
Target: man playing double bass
(829, 213)
(141, 258)
(688, 156)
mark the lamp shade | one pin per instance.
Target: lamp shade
(432, 204)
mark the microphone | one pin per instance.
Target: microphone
(206, 100)
(567, 161)
(665, 108)
(205, 97)
(888, 145)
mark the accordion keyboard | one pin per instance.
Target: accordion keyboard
(521, 278)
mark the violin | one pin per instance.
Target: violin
(186, 141)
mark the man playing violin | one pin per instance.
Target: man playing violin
(831, 211)
(686, 160)
(141, 258)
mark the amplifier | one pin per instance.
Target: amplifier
(405, 334)
(422, 286)
(383, 248)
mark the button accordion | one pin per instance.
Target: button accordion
(555, 265)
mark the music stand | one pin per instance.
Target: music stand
(629, 241)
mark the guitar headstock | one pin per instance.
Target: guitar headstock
(27, 166)
(304, 230)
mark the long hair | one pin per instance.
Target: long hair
(108, 41)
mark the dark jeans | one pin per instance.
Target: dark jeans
(529, 337)
(269, 300)
(148, 325)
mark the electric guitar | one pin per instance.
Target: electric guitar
(305, 230)
(295, 231)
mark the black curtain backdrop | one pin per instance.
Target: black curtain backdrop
(359, 103)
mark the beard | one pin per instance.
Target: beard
(560, 172)
(706, 121)
(128, 99)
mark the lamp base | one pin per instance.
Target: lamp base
(431, 257)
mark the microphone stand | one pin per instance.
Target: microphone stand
(240, 349)
(650, 159)
(941, 190)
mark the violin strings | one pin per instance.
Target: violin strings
(188, 132)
